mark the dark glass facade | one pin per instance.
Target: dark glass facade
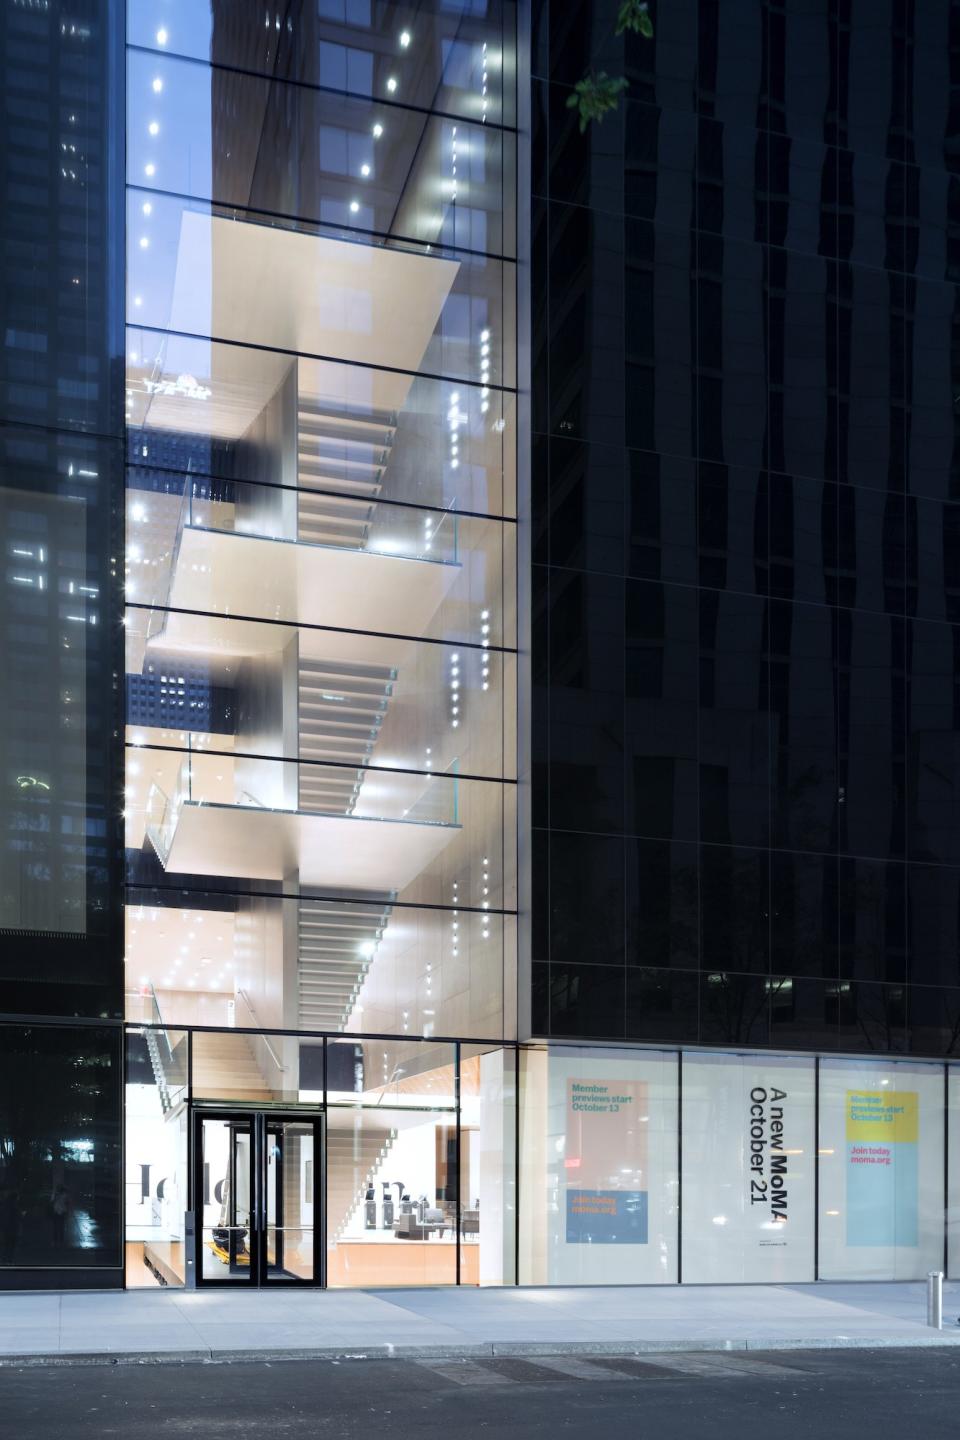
(745, 514)
(61, 481)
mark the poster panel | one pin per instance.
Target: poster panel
(881, 1170)
(610, 1160)
(748, 1169)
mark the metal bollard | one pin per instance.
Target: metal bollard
(935, 1299)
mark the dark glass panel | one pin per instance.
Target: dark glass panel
(663, 1005)
(540, 315)
(586, 505)
(734, 1009)
(930, 208)
(804, 921)
(871, 733)
(540, 999)
(734, 736)
(586, 899)
(587, 1001)
(804, 198)
(661, 710)
(540, 753)
(659, 165)
(586, 324)
(932, 383)
(933, 1013)
(585, 166)
(934, 938)
(871, 81)
(933, 559)
(801, 360)
(661, 904)
(871, 1017)
(586, 701)
(659, 339)
(661, 517)
(732, 528)
(61, 326)
(60, 937)
(870, 374)
(933, 722)
(540, 894)
(801, 61)
(60, 1147)
(872, 920)
(803, 1014)
(872, 549)
(928, 66)
(803, 538)
(735, 908)
(731, 66)
(804, 720)
(730, 159)
(873, 190)
(732, 349)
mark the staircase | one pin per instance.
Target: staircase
(343, 448)
(225, 1067)
(337, 943)
(353, 1159)
(169, 1069)
(341, 710)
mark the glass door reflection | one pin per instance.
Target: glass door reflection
(290, 1250)
(227, 1183)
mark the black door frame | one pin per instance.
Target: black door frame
(259, 1122)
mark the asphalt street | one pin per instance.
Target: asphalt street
(823, 1393)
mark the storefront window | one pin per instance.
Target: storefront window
(881, 1170)
(488, 1221)
(598, 1178)
(392, 1178)
(156, 1156)
(748, 1183)
(60, 1147)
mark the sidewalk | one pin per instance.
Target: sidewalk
(138, 1327)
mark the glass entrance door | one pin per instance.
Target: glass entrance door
(257, 1198)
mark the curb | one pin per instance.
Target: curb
(482, 1350)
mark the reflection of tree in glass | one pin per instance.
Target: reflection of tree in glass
(598, 93)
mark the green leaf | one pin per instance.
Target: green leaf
(635, 15)
(595, 96)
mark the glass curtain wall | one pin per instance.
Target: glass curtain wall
(413, 1183)
(321, 517)
(320, 571)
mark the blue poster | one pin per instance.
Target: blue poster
(606, 1217)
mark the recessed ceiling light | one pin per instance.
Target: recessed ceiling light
(154, 127)
(404, 39)
(161, 36)
(364, 171)
(150, 169)
(391, 84)
(377, 131)
(157, 84)
(354, 206)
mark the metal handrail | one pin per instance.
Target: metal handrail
(242, 995)
(159, 1019)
